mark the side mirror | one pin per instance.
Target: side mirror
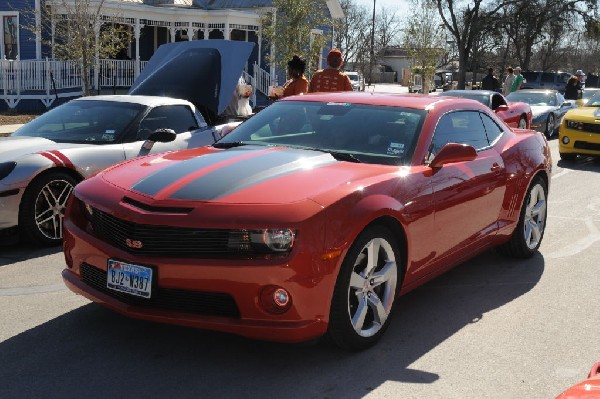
(501, 107)
(453, 152)
(162, 136)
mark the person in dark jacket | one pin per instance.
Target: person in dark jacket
(490, 82)
(572, 89)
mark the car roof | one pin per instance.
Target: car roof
(415, 101)
(148, 101)
(486, 92)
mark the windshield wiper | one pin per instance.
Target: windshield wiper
(339, 156)
(230, 144)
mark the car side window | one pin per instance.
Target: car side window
(548, 77)
(497, 100)
(177, 117)
(462, 127)
(492, 130)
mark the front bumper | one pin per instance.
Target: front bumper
(579, 142)
(10, 199)
(242, 280)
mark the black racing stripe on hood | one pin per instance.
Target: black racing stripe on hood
(251, 171)
(157, 181)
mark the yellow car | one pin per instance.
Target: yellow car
(579, 132)
(588, 93)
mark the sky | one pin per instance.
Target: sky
(391, 4)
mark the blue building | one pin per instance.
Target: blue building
(25, 62)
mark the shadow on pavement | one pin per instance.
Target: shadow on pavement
(93, 353)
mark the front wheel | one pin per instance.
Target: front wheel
(550, 128)
(567, 156)
(365, 290)
(43, 208)
(528, 234)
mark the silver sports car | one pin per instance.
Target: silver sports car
(177, 102)
(548, 108)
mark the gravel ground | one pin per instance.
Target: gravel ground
(11, 118)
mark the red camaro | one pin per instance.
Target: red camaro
(310, 217)
(513, 113)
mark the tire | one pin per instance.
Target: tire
(528, 234)
(567, 156)
(363, 297)
(43, 208)
(550, 128)
(522, 123)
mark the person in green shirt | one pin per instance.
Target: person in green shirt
(518, 81)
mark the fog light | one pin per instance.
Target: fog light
(565, 140)
(281, 297)
(275, 300)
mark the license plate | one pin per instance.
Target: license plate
(132, 279)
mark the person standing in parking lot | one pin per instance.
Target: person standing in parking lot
(508, 81)
(490, 82)
(331, 78)
(518, 81)
(297, 84)
(572, 89)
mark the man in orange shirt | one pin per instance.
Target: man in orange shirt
(331, 78)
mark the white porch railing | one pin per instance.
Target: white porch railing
(47, 80)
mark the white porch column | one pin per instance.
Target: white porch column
(38, 30)
(136, 33)
(172, 31)
(227, 33)
(190, 32)
(97, 57)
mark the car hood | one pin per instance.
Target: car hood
(585, 114)
(537, 110)
(204, 72)
(244, 175)
(14, 147)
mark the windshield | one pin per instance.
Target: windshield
(594, 101)
(353, 76)
(94, 122)
(542, 99)
(369, 133)
(587, 94)
(482, 98)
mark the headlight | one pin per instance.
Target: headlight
(6, 168)
(575, 125)
(86, 210)
(262, 240)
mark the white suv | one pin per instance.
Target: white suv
(358, 83)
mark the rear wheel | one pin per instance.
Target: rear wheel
(43, 207)
(528, 234)
(365, 290)
(550, 128)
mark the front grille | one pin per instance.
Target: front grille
(591, 127)
(168, 241)
(583, 145)
(202, 303)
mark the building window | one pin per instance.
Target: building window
(10, 37)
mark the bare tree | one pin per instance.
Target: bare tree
(423, 40)
(290, 30)
(79, 31)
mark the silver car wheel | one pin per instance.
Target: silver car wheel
(372, 287)
(550, 128)
(50, 207)
(535, 216)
